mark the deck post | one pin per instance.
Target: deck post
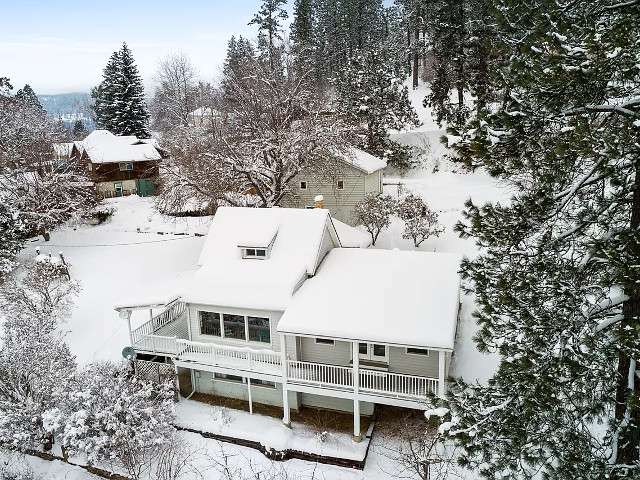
(357, 437)
(249, 390)
(189, 322)
(441, 374)
(286, 419)
(128, 314)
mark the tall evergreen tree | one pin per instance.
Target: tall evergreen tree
(120, 105)
(236, 68)
(27, 95)
(268, 20)
(557, 282)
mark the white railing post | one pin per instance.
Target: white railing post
(189, 321)
(441, 374)
(286, 419)
(356, 384)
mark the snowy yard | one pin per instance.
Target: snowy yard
(137, 249)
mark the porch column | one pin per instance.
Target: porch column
(286, 419)
(151, 314)
(356, 385)
(177, 381)
(189, 322)
(127, 314)
(441, 373)
(249, 390)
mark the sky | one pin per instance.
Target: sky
(61, 46)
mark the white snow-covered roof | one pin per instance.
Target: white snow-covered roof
(227, 279)
(62, 149)
(364, 161)
(103, 146)
(379, 296)
(351, 237)
(206, 112)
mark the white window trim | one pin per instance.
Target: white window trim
(428, 354)
(245, 253)
(306, 185)
(325, 342)
(387, 348)
(338, 187)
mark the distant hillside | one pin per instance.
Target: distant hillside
(69, 107)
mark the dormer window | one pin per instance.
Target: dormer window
(254, 253)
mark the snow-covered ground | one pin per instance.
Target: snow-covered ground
(137, 249)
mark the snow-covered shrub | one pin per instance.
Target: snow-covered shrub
(111, 415)
(11, 239)
(419, 221)
(13, 466)
(374, 212)
(35, 363)
(221, 415)
(100, 213)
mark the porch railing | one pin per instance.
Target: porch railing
(374, 381)
(243, 358)
(156, 344)
(320, 374)
(161, 320)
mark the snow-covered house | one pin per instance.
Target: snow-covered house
(207, 117)
(360, 174)
(281, 311)
(119, 165)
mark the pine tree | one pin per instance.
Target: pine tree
(28, 96)
(79, 129)
(236, 68)
(557, 282)
(120, 105)
(269, 26)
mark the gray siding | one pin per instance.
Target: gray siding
(205, 383)
(338, 354)
(373, 182)
(402, 362)
(339, 202)
(331, 403)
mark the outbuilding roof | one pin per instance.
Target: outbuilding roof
(364, 161)
(103, 146)
(379, 296)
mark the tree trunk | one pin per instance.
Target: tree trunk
(628, 389)
(416, 37)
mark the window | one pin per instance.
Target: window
(126, 166)
(233, 326)
(90, 166)
(262, 383)
(303, 185)
(259, 330)
(325, 341)
(228, 378)
(210, 323)
(255, 253)
(417, 351)
(340, 185)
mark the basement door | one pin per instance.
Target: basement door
(118, 188)
(373, 352)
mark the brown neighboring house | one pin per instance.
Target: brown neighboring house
(120, 165)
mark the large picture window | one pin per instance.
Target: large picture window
(210, 323)
(233, 326)
(238, 327)
(259, 330)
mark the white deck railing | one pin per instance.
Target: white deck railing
(161, 320)
(156, 344)
(320, 374)
(374, 381)
(243, 358)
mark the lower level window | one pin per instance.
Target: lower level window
(325, 341)
(228, 378)
(418, 351)
(263, 383)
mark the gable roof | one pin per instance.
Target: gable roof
(364, 161)
(102, 146)
(227, 279)
(379, 296)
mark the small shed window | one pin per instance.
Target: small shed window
(303, 185)
(90, 166)
(418, 351)
(325, 341)
(126, 166)
(340, 184)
